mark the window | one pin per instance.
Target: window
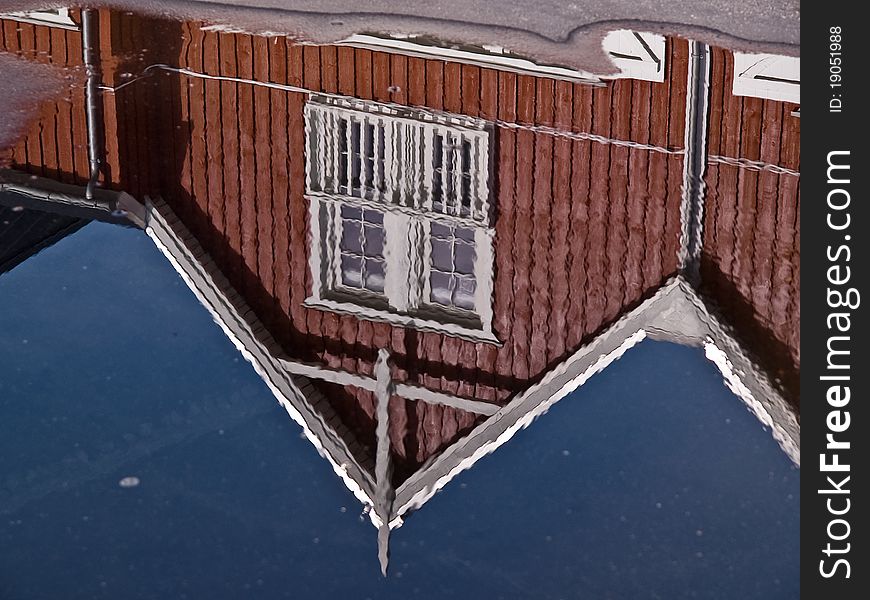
(767, 76)
(400, 215)
(52, 17)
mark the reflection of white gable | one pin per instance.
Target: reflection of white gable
(638, 55)
(767, 76)
(52, 17)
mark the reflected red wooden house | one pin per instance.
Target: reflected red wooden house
(502, 235)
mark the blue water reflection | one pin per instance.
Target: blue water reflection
(651, 481)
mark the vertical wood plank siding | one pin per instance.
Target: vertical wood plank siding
(584, 230)
(55, 144)
(751, 253)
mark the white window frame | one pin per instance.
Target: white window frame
(768, 76)
(58, 17)
(407, 217)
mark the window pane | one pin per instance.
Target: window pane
(362, 248)
(463, 296)
(464, 256)
(451, 277)
(442, 288)
(351, 240)
(374, 240)
(351, 270)
(442, 255)
(351, 212)
(374, 274)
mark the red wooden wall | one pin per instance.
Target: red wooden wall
(584, 229)
(56, 143)
(751, 251)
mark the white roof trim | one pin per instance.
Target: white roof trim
(241, 326)
(675, 313)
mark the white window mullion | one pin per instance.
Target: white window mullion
(456, 144)
(397, 253)
(428, 165)
(481, 143)
(323, 135)
(349, 167)
(408, 164)
(336, 153)
(478, 203)
(319, 270)
(363, 156)
(376, 170)
(445, 187)
(483, 275)
(394, 163)
(424, 267)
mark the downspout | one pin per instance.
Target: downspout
(695, 162)
(94, 113)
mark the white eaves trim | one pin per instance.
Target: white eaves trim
(484, 56)
(638, 55)
(675, 313)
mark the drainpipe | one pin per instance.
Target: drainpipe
(94, 116)
(695, 161)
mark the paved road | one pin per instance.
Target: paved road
(556, 31)
(564, 31)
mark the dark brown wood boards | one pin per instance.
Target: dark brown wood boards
(751, 252)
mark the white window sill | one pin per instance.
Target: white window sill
(403, 320)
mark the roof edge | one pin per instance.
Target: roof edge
(241, 326)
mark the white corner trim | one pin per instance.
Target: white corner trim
(59, 18)
(768, 76)
(638, 55)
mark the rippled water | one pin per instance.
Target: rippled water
(257, 297)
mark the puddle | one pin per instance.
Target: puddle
(421, 246)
